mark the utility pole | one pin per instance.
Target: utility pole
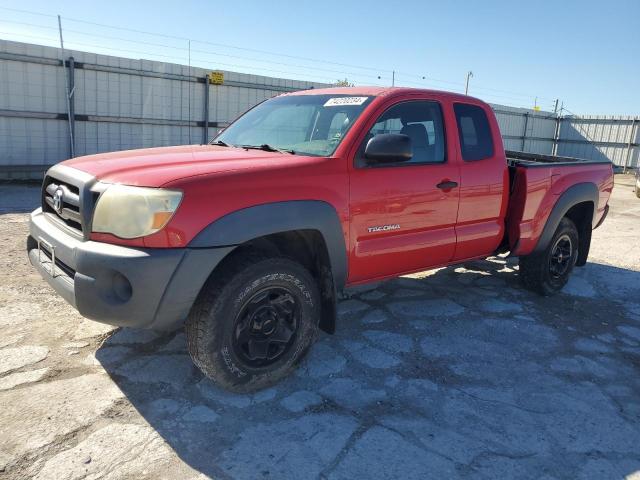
(189, 91)
(68, 93)
(466, 88)
(393, 78)
(555, 106)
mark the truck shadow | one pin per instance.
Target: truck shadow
(456, 372)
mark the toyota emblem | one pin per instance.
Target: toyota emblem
(58, 198)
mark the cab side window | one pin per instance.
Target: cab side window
(422, 122)
(474, 132)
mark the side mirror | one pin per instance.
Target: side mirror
(388, 148)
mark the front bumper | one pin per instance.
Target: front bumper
(132, 287)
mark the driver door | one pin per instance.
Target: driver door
(403, 215)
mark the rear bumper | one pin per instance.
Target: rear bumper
(132, 287)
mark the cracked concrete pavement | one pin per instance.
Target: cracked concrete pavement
(455, 372)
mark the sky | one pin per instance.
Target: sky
(583, 53)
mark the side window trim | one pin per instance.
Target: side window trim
(360, 161)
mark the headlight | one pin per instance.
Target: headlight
(130, 212)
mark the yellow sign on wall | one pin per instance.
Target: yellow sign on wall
(216, 78)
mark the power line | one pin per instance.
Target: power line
(92, 34)
(460, 89)
(31, 12)
(93, 45)
(475, 87)
(235, 66)
(205, 52)
(229, 46)
(340, 72)
(200, 61)
(511, 95)
(225, 45)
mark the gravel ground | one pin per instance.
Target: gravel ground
(456, 372)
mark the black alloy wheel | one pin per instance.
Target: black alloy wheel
(561, 256)
(266, 326)
(254, 321)
(546, 271)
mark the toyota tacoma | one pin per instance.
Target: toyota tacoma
(250, 239)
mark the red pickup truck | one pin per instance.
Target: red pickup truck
(250, 239)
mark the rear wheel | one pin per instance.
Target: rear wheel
(253, 322)
(546, 272)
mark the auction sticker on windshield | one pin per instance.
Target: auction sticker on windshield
(341, 101)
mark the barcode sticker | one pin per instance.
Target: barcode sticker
(342, 101)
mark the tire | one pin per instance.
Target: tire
(548, 271)
(252, 302)
(637, 189)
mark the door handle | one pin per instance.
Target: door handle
(447, 185)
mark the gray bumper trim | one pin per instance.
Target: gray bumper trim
(133, 287)
(62, 283)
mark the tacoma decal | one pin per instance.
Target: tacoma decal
(383, 228)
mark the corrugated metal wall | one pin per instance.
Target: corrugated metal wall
(122, 103)
(119, 104)
(601, 138)
(526, 130)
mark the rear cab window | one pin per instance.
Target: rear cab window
(476, 140)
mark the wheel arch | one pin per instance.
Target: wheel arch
(579, 204)
(308, 231)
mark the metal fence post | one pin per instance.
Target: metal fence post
(556, 135)
(524, 132)
(631, 138)
(72, 106)
(205, 133)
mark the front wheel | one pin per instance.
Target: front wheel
(546, 272)
(253, 322)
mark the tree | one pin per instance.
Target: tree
(343, 83)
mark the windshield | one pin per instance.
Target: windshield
(302, 124)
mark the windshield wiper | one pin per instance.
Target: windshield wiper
(220, 143)
(268, 148)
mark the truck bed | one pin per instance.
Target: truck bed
(524, 159)
(535, 184)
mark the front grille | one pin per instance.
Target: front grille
(62, 200)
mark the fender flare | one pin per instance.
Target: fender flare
(579, 193)
(249, 223)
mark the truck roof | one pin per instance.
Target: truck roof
(379, 91)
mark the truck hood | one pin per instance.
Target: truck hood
(154, 167)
